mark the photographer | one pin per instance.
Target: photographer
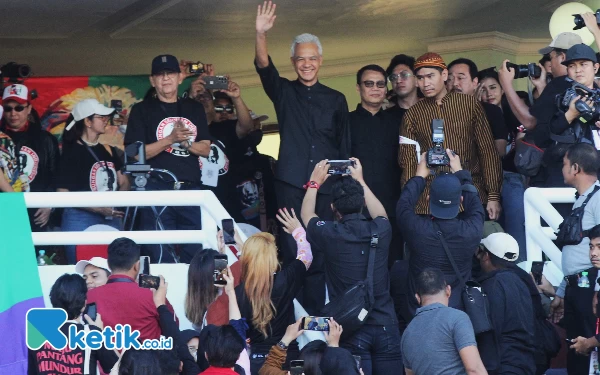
(463, 234)
(175, 133)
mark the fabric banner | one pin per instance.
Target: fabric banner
(20, 287)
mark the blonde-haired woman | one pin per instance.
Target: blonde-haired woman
(267, 291)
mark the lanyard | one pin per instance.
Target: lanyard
(111, 177)
(120, 280)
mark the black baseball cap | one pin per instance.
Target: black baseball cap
(165, 63)
(580, 52)
(444, 196)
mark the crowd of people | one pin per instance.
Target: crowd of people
(412, 261)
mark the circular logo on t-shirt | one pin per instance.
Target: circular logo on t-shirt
(29, 162)
(100, 178)
(165, 128)
(216, 156)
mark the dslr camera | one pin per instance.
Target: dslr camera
(580, 23)
(528, 70)
(436, 156)
(14, 72)
(587, 113)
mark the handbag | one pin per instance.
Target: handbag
(528, 158)
(474, 299)
(352, 308)
(570, 231)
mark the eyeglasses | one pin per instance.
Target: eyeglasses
(223, 108)
(402, 76)
(103, 118)
(192, 350)
(18, 108)
(380, 84)
(165, 74)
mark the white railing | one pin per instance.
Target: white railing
(539, 239)
(212, 213)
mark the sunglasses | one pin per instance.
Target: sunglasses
(222, 108)
(18, 108)
(380, 84)
(402, 76)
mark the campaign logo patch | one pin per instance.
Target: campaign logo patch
(29, 162)
(100, 178)
(320, 223)
(165, 128)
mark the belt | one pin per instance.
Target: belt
(573, 280)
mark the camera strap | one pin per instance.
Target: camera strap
(111, 177)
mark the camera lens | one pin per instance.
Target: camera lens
(579, 22)
(24, 70)
(534, 71)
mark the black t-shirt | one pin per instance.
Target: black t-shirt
(512, 125)
(494, 115)
(152, 120)
(225, 131)
(398, 113)
(286, 285)
(50, 361)
(346, 246)
(79, 171)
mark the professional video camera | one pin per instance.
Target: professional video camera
(140, 170)
(580, 23)
(528, 70)
(587, 113)
(13, 72)
(436, 156)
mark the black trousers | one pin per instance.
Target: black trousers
(312, 296)
(579, 321)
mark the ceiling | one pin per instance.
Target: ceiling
(99, 37)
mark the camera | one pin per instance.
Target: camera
(522, 71)
(436, 156)
(196, 68)
(586, 112)
(15, 72)
(580, 23)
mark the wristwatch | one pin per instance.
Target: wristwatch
(282, 345)
(311, 185)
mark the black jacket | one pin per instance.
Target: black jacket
(463, 235)
(509, 348)
(40, 165)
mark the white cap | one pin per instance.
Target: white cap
(258, 117)
(502, 245)
(16, 92)
(95, 261)
(86, 108)
(564, 41)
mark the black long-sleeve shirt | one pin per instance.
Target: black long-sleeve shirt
(313, 125)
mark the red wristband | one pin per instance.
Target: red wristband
(311, 185)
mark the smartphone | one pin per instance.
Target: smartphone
(90, 310)
(220, 267)
(196, 68)
(315, 323)
(537, 268)
(358, 361)
(216, 83)
(144, 265)
(147, 281)
(228, 231)
(297, 367)
(339, 167)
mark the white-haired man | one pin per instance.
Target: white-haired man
(313, 125)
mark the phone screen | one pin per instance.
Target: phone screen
(147, 281)
(220, 267)
(90, 310)
(315, 323)
(537, 268)
(297, 367)
(228, 232)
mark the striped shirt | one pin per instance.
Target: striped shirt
(466, 132)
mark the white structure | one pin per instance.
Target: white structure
(539, 239)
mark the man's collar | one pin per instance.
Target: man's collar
(433, 306)
(316, 85)
(360, 109)
(120, 276)
(588, 191)
(356, 216)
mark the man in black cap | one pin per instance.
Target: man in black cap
(462, 232)
(175, 133)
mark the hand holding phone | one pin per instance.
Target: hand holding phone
(220, 268)
(149, 282)
(537, 268)
(228, 231)
(315, 323)
(91, 310)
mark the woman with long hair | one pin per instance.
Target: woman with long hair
(267, 291)
(88, 165)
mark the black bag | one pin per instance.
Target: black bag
(570, 231)
(475, 300)
(528, 158)
(352, 308)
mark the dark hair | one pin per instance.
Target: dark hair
(558, 50)
(223, 346)
(69, 293)
(430, 282)
(372, 67)
(585, 156)
(221, 95)
(71, 136)
(348, 196)
(401, 60)
(169, 361)
(122, 254)
(141, 362)
(312, 353)
(594, 232)
(473, 71)
(545, 59)
(201, 290)
(489, 73)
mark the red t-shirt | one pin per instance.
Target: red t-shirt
(218, 311)
(124, 302)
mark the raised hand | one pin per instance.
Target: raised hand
(265, 17)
